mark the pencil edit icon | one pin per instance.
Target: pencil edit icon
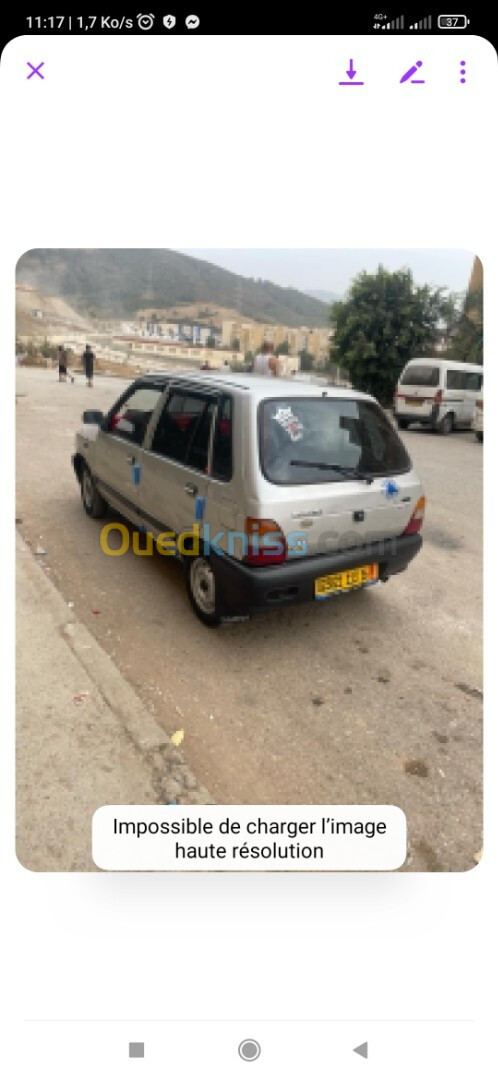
(408, 76)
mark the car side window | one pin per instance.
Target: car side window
(455, 380)
(198, 452)
(222, 443)
(130, 417)
(184, 428)
(473, 380)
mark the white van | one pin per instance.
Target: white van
(441, 394)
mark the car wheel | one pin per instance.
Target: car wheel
(95, 506)
(445, 426)
(479, 436)
(202, 590)
(403, 424)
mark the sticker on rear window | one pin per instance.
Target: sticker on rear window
(290, 423)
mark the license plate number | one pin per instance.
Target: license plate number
(414, 401)
(345, 580)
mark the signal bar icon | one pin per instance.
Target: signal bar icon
(422, 24)
(395, 24)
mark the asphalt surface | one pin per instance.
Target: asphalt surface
(374, 697)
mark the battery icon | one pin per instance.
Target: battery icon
(452, 22)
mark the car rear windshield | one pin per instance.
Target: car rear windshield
(302, 439)
(420, 375)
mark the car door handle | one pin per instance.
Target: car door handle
(191, 489)
(131, 459)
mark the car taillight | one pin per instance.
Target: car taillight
(438, 396)
(479, 405)
(417, 519)
(266, 543)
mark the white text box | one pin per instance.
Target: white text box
(249, 837)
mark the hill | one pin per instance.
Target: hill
(39, 316)
(116, 283)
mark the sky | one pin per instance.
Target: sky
(333, 270)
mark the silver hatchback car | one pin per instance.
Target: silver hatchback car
(270, 491)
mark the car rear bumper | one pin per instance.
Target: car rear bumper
(247, 588)
(418, 417)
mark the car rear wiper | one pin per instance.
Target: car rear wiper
(344, 470)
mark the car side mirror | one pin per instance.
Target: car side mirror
(92, 416)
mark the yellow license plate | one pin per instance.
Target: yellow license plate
(414, 401)
(345, 580)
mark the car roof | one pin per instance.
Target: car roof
(435, 361)
(258, 386)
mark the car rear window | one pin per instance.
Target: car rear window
(420, 375)
(301, 439)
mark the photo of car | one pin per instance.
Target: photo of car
(213, 524)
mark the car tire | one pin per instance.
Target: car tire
(202, 590)
(403, 424)
(445, 426)
(93, 503)
(479, 436)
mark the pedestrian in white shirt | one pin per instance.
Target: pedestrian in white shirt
(265, 363)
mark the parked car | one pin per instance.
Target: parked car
(440, 394)
(478, 419)
(275, 492)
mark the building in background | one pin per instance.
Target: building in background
(249, 337)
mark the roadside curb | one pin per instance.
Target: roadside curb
(173, 780)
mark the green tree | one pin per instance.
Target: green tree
(451, 312)
(48, 350)
(248, 359)
(384, 322)
(306, 360)
(282, 349)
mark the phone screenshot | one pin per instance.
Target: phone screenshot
(248, 753)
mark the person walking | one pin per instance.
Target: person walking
(88, 362)
(61, 358)
(266, 363)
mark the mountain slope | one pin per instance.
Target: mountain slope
(115, 283)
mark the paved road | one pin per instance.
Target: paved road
(373, 697)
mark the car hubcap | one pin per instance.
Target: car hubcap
(203, 585)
